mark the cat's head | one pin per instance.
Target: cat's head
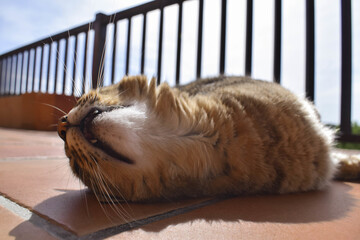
(134, 141)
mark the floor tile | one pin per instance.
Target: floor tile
(34, 172)
(49, 188)
(26, 144)
(14, 227)
(330, 214)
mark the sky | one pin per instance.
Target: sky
(23, 22)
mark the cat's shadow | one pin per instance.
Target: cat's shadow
(318, 206)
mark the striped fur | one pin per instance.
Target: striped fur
(219, 136)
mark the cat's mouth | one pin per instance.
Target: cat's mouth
(85, 128)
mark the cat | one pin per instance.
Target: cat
(217, 136)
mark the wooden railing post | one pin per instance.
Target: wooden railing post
(100, 24)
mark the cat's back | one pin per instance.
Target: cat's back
(253, 95)
(285, 129)
(240, 87)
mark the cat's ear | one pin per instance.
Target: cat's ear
(166, 101)
(134, 87)
(151, 96)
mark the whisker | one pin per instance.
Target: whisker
(76, 91)
(100, 79)
(65, 72)
(60, 110)
(98, 199)
(83, 194)
(104, 180)
(90, 82)
(108, 197)
(65, 68)
(74, 58)
(118, 210)
(102, 62)
(119, 193)
(128, 215)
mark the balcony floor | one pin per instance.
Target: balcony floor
(41, 199)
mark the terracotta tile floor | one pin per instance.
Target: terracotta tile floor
(40, 199)
(13, 226)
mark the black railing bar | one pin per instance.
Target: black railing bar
(3, 85)
(178, 47)
(21, 71)
(5, 76)
(73, 81)
(223, 36)
(128, 44)
(7, 80)
(13, 91)
(12, 85)
(277, 41)
(56, 65)
(10, 75)
(345, 121)
(161, 30)
(1, 74)
(114, 53)
(248, 37)
(310, 51)
(142, 9)
(34, 70)
(143, 45)
(51, 39)
(8, 87)
(27, 72)
(2, 77)
(41, 66)
(98, 64)
(65, 68)
(85, 62)
(16, 70)
(348, 138)
(200, 37)
(48, 68)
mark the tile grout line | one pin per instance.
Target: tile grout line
(27, 215)
(14, 159)
(111, 231)
(60, 233)
(15, 208)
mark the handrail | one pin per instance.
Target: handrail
(51, 39)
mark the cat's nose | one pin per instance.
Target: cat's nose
(62, 127)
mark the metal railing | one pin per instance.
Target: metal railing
(15, 66)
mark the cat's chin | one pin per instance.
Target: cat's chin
(76, 137)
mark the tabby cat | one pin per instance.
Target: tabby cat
(219, 136)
